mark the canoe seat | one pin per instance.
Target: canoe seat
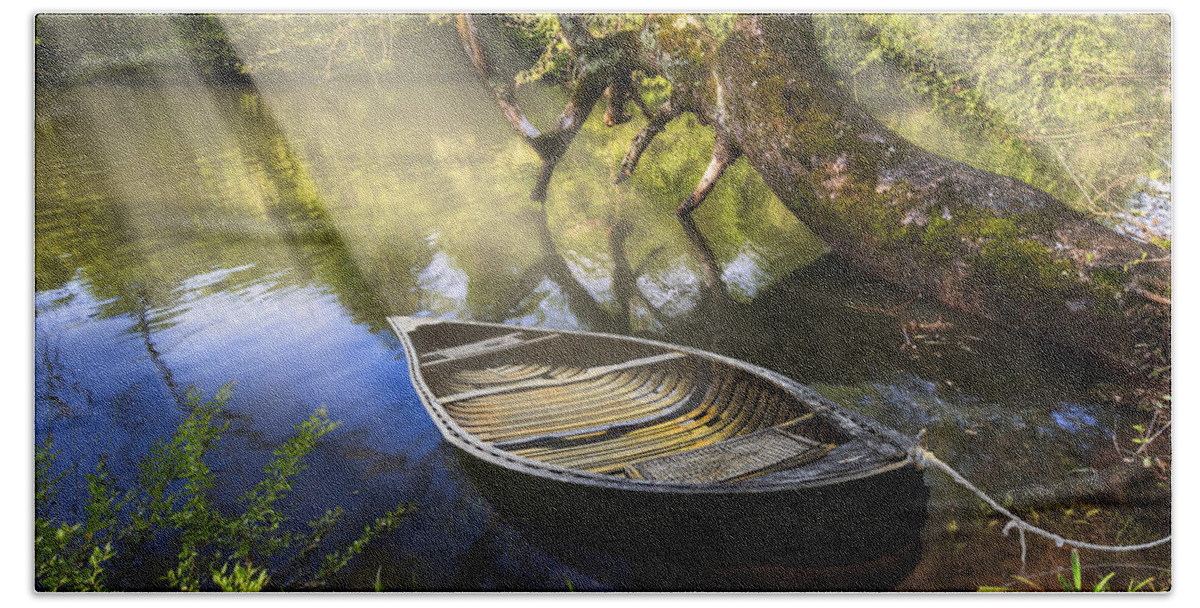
(478, 349)
(757, 453)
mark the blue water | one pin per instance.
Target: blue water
(288, 350)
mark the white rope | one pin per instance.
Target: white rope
(924, 458)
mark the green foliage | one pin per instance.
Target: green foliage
(244, 578)
(337, 560)
(209, 48)
(221, 49)
(718, 24)
(256, 531)
(538, 39)
(1077, 105)
(1146, 583)
(70, 557)
(1076, 582)
(246, 551)
(66, 559)
(389, 188)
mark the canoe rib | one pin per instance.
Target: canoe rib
(732, 404)
(551, 410)
(594, 372)
(602, 431)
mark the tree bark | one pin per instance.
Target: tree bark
(983, 243)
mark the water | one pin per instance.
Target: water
(190, 237)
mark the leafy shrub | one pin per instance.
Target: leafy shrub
(170, 505)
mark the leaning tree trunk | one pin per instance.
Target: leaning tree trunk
(979, 242)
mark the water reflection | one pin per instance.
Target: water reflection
(550, 308)
(193, 236)
(442, 285)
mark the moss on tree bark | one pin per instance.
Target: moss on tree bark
(980, 242)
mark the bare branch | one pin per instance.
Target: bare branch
(1153, 297)
(657, 122)
(712, 291)
(606, 65)
(618, 94)
(504, 90)
(725, 152)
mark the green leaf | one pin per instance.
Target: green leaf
(1062, 580)
(1076, 570)
(1139, 586)
(1103, 584)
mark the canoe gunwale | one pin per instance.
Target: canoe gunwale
(882, 449)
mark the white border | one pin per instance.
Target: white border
(18, 267)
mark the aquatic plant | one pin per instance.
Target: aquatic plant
(170, 509)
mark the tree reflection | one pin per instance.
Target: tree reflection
(140, 189)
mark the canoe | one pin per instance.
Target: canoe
(685, 468)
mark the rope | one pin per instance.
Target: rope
(924, 459)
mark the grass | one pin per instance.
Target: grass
(170, 510)
(1072, 580)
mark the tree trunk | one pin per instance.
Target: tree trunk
(983, 243)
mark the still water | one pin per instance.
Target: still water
(190, 237)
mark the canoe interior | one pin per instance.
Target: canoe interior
(611, 406)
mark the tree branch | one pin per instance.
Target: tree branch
(503, 89)
(657, 123)
(602, 60)
(575, 31)
(725, 153)
(713, 290)
(618, 94)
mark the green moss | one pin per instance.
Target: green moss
(1003, 256)
(683, 52)
(1111, 278)
(172, 508)
(1025, 264)
(1109, 282)
(939, 238)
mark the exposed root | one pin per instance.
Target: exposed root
(1153, 297)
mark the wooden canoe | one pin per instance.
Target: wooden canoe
(677, 458)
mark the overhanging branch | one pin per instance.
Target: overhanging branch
(600, 67)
